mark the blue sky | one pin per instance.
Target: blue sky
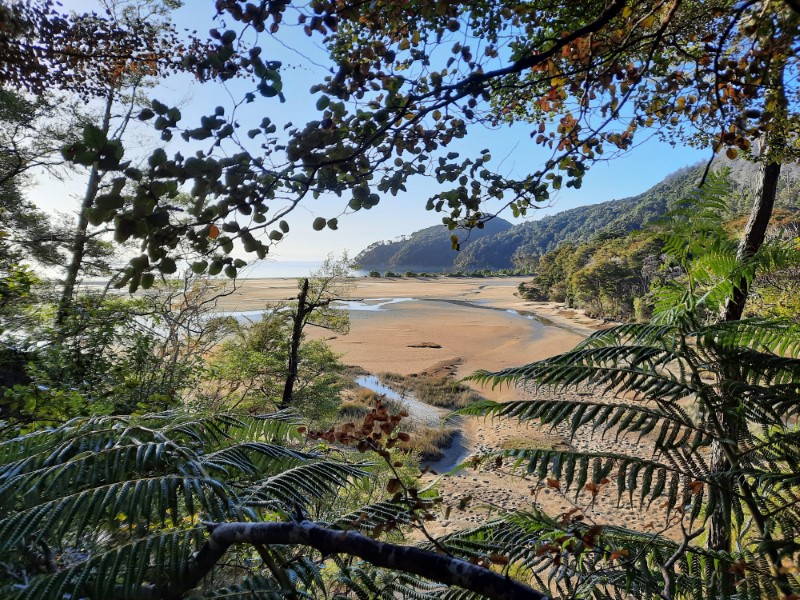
(303, 65)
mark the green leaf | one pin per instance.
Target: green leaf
(94, 137)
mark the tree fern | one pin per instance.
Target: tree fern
(146, 507)
(670, 375)
(680, 381)
(104, 507)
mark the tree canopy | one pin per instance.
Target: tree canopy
(409, 80)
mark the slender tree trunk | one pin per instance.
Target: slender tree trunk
(297, 333)
(79, 243)
(754, 235)
(719, 533)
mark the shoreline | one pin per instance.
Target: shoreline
(253, 294)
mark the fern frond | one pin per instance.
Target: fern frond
(373, 517)
(255, 587)
(765, 335)
(254, 458)
(143, 502)
(122, 570)
(574, 470)
(641, 370)
(302, 484)
(671, 421)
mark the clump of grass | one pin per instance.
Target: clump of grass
(443, 391)
(430, 442)
(365, 396)
(361, 401)
(350, 410)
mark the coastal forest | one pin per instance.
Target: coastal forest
(155, 446)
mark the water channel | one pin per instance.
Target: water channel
(424, 414)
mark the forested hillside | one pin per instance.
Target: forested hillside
(428, 249)
(617, 275)
(521, 243)
(503, 246)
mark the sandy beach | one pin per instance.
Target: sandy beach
(469, 319)
(415, 325)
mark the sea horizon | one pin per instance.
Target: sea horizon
(282, 269)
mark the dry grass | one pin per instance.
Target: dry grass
(441, 391)
(350, 410)
(431, 442)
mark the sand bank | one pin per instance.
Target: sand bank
(480, 323)
(461, 325)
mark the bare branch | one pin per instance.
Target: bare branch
(408, 559)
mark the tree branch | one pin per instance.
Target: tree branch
(408, 559)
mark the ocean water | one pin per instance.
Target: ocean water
(285, 268)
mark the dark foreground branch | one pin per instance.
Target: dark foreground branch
(408, 559)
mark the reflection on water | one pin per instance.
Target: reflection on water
(374, 304)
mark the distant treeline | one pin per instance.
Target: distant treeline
(502, 246)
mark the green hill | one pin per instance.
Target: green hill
(428, 249)
(503, 246)
(516, 246)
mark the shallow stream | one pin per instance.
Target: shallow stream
(425, 414)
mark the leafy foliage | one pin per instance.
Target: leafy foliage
(38, 45)
(103, 506)
(112, 355)
(248, 372)
(670, 376)
(691, 386)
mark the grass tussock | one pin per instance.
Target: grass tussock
(442, 391)
(428, 442)
(431, 442)
(360, 401)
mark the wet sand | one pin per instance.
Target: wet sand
(462, 320)
(460, 325)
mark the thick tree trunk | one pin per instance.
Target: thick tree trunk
(79, 242)
(294, 350)
(754, 235)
